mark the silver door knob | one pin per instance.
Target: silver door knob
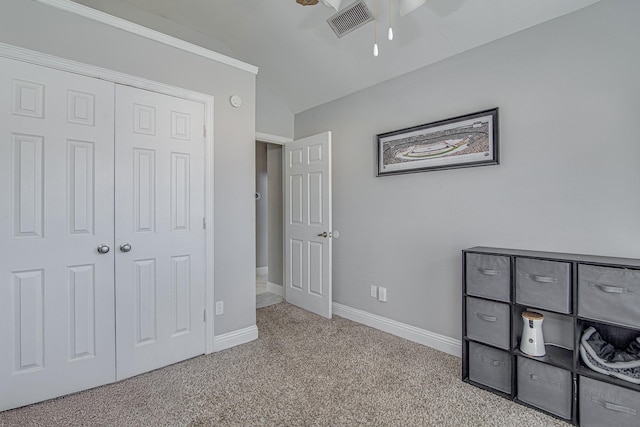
(103, 249)
(323, 234)
(125, 247)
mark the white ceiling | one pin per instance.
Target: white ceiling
(303, 62)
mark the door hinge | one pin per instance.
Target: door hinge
(204, 315)
(204, 223)
(204, 130)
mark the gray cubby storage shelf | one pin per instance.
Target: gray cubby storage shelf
(573, 292)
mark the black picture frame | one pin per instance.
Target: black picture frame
(460, 142)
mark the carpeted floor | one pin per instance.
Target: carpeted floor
(303, 371)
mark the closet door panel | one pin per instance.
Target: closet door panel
(160, 281)
(56, 178)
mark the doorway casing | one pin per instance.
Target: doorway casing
(277, 288)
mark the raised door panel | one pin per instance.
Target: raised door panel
(28, 322)
(27, 186)
(145, 302)
(144, 191)
(181, 285)
(82, 311)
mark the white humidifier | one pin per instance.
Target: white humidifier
(532, 342)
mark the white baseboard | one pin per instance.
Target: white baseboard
(430, 339)
(262, 270)
(232, 339)
(274, 288)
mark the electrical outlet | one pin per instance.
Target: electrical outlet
(219, 308)
(374, 291)
(382, 294)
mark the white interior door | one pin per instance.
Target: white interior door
(160, 275)
(307, 170)
(56, 181)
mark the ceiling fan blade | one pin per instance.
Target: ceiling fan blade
(407, 6)
(332, 3)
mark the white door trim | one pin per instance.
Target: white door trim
(272, 139)
(38, 58)
(122, 24)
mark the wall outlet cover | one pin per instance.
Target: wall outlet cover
(374, 291)
(382, 294)
(219, 308)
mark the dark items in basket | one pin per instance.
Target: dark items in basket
(603, 357)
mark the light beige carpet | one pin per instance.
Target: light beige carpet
(303, 371)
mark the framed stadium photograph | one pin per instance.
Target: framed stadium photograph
(460, 142)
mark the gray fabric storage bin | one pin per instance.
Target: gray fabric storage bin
(488, 322)
(489, 276)
(603, 404)
(610, 294)
(490, 367)
(544, 386)
(544, 284)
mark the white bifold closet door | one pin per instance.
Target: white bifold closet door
(102, 244)
(160, 281)
(56, 290)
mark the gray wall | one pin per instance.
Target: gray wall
(275, 213)
(272, 115)
(42, 28)
(262, 234)
(569, 98)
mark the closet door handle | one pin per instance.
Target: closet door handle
(103, 249)
(125, 247)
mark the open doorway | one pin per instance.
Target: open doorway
(269, 223)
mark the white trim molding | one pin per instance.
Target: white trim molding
(430, 339)
(272, 139)
(234, 338)
(260, 271)
(122, 24)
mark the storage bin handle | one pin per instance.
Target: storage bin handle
(490, 361)
(535, 377)
(540, 279)
(613, 407)
(487, 271)
(610, 289)
(486, 317)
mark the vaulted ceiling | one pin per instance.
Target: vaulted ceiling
(303, 62)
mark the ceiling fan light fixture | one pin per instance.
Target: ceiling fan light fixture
(335, 4)
(407, 6)
(390, 33)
